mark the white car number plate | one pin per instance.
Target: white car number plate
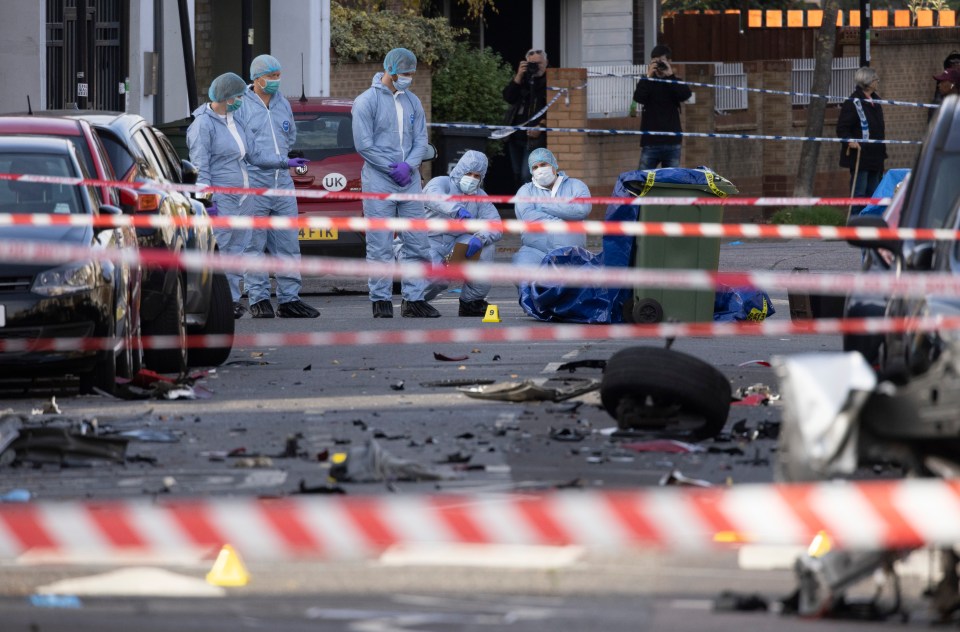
(3, 315)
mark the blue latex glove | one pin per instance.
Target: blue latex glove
(463, 213)
(473, 246)
(297, 162)
(212, 210)
(400, 173)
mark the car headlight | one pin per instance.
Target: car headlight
(73, 277)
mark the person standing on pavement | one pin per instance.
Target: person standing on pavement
(661, 112)
(862, 118)
(952, 61)
(464, 179)
(527, 94)
(268, 118)
(390, 132)
(222, 152)
(549, 183)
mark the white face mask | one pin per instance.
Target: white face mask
(544, 176)
(469, 184)
(402, 83)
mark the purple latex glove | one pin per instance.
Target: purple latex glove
(463, 213)
(473, 246)
(297, 162)
(400, 173)
(212, 210)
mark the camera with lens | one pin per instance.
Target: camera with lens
(531, 72)
(661, 66)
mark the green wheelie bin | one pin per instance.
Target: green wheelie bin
(653, 305)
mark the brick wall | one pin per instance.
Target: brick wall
(905, 58)
(203, 45)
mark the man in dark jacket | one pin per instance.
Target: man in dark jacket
(661, 112)
(527, 94)
(861, 117)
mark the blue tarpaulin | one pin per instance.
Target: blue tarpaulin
(558, 303)
(886, 189)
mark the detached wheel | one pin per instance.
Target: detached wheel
(220, 321)
(647, 311)
(646, 387)
(172, 321)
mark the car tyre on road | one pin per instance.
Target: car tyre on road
(640, 380)
(220, 321)
(172, 321)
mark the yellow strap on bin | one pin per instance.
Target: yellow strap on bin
(651, 176)
(713, 187)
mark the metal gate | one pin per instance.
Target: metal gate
(65, 43)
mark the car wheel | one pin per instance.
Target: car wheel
(647, 311)
(645, 387)
(125, 360)
(103, 376)
(172, 321)
(220, 321)
(868, 345)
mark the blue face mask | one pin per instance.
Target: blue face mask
(233, 107)
(272, 86)
(469, 184)
(402, 83)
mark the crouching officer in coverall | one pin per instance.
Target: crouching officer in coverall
(464, 179)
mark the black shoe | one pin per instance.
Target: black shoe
(296, 309)
(262, 309)
(473, 308)
(382, 309)
(239, 310)
(418, 309)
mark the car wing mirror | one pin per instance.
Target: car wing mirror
(110, 209)
(872, 221)
(920, 256)
(189, 171)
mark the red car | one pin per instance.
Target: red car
(325, 136)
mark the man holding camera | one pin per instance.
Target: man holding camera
(661, 112)
(527, 94)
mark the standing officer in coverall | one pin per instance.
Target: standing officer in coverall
(268, 119)
(390, 132)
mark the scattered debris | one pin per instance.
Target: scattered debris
(564, 407)
(63, 447)
(397, 386)
(370, 463)
(671, 446)
(730, 601)
(253, 462)
(733, 450)
(457, 457)
(247, 363)
(464, 381)
(496, 358)
(757, 362)
(566, 434)
(676, 477)
(151, 436)
(16, 496)
(291, 448)
(755, 394)
(319, 489)
(309, 367)
(582, 364)
(50, 408)
(445, 358)
(575, 483)
(529, 391)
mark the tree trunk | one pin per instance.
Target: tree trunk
(826, 41)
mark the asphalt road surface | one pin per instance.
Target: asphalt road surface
(269, 416)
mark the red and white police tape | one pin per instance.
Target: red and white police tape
(426, 197)
(824, 326)
(398, 224)
(863, 515)
(914, 284)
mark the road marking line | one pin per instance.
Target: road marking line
(481, 556)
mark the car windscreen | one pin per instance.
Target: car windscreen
(324, 135)
(943, 188)
(38, 197)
